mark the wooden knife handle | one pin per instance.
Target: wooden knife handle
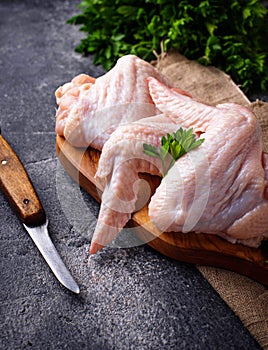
(17, 186)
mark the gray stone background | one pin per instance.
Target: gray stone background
(131, 298)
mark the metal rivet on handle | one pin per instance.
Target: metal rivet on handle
(4, 162)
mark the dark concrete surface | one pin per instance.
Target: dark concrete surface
(131, 298)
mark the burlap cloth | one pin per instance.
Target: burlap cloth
(247, 298)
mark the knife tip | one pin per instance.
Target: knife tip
(69, 283)
(74, 288)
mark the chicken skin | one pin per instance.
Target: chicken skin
(218, 188)
(121, 161)
(91, 109)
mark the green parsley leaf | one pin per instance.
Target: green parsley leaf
(151, 151)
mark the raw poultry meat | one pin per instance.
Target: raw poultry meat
(219, 188)
(234, 165)
(121, 161)
(69, 95)
(90, 110)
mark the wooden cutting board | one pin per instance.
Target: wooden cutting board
(194, 248)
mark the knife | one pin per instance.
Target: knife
(19, 190)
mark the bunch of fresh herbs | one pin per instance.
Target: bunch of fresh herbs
(229, 34)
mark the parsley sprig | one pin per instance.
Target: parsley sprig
(176, 144)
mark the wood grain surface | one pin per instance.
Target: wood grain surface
(18, 188)
(200, 248)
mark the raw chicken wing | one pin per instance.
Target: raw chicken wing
(121, 161)
(220, 187)
(89, 113)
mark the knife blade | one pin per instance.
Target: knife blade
(19, 190)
